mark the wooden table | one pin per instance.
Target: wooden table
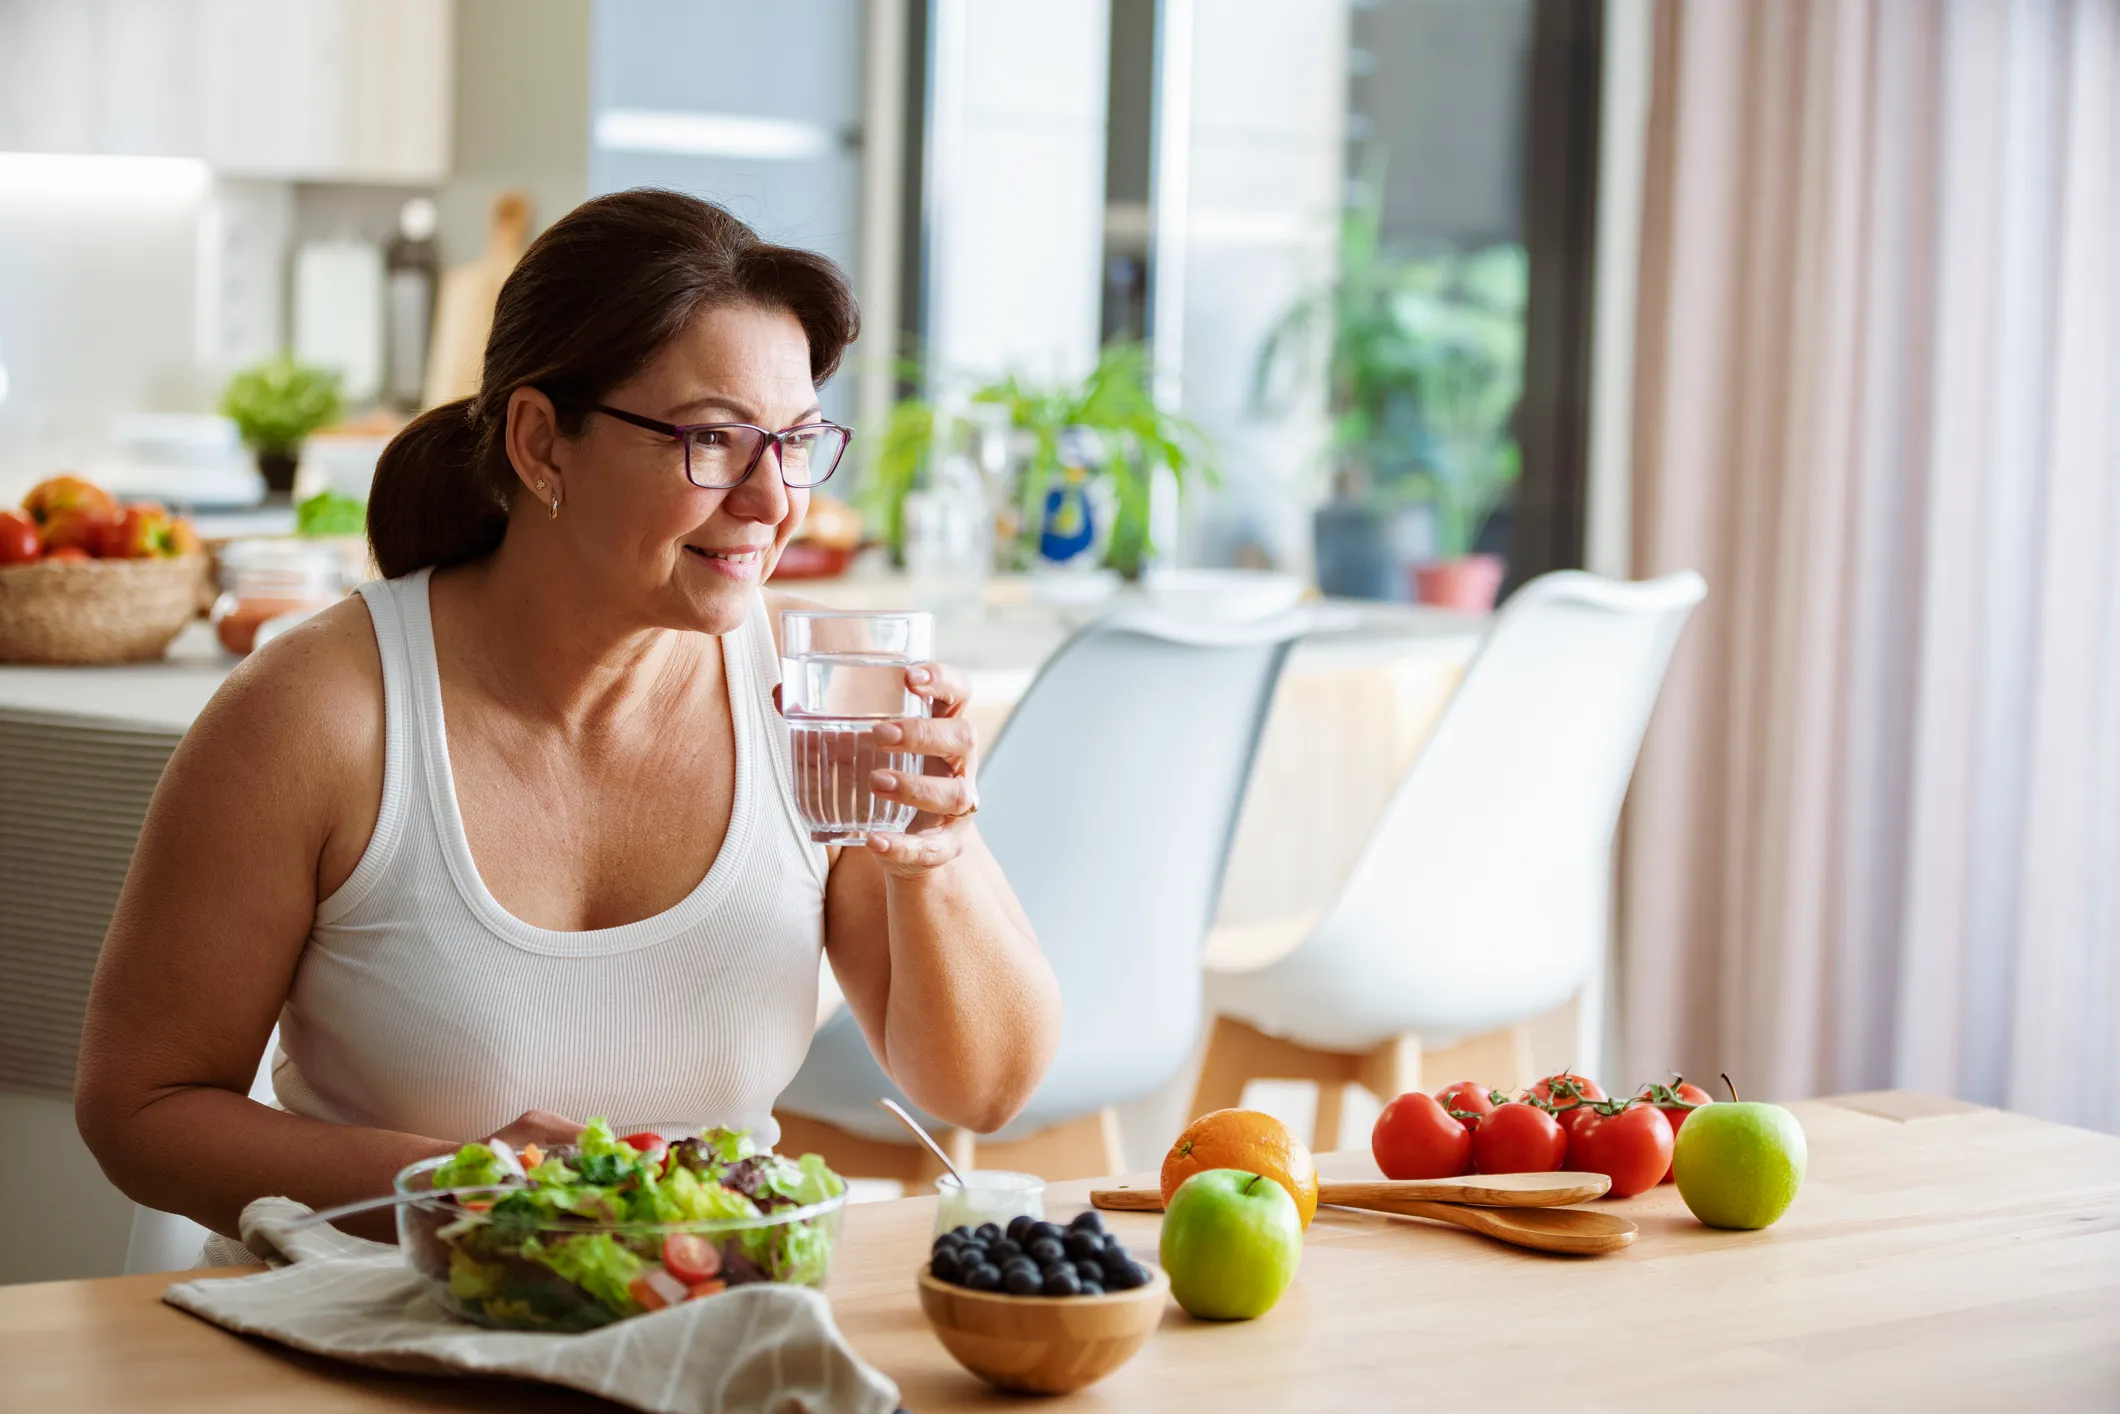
(1940, 1257)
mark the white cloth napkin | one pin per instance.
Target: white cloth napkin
(761, 1349)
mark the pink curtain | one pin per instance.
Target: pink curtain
(1875, 836)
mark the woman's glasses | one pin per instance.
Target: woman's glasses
(720, 455)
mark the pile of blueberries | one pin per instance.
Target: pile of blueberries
(1036, 1258)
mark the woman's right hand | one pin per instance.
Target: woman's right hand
(540, 1127)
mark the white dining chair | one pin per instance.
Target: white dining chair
(1110, 801)
(1482, 898)
(165, 1242)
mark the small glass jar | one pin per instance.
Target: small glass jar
(987, 1196)
(278, 582)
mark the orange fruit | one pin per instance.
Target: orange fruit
(1246, 1140)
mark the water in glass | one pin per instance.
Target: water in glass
(842, 677)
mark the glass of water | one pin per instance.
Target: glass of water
(842, 675)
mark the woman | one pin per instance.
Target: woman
(508, 840)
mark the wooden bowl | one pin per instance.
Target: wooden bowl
(1043, 1344)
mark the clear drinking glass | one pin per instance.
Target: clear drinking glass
(841, 676)
(987, 1196)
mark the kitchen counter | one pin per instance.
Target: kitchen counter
(1940, 1257)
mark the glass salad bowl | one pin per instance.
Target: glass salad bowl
(578, 1237)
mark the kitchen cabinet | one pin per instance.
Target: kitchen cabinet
(295, 90)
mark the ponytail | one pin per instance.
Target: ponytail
(435, 501)
(590, 304)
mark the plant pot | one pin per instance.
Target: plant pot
(1365, 551)
(1467, 584)
(276, 465)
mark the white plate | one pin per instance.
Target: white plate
(1231, 596)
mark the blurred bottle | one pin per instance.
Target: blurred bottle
(413, 265)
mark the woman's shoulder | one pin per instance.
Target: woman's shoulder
(310, 701)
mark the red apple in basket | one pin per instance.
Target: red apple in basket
(142, 531)
(18, 538)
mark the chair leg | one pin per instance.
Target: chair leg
(1325, 1129)
(851, 1155)
(1500, 1060)
(1238, 1052)
(1392, 1069)
(1088, 1147)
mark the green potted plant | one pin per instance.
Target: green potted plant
(1423, 365)
(1130, 438)
(275, 405)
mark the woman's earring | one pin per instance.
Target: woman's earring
(541, 486)
(555, 506)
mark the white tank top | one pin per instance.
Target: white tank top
(421, 1004)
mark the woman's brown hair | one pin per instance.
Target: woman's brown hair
(591, 303)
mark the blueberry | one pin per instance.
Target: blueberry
(1081, 1246)
(1091, 1288)
(1017, 1226)
(1022, 1264)
(1089, 1271)
(1003, 1250)
(1046, 1251)
(1054, 1269)
(946, 1266)
(1128, 1277)
(984, 1277)
(988, 1232)
(1053, 1230)
(1087, 1221)
(1063, 1283)
(971, 1255)
(960, 1232)
(1022, 1281)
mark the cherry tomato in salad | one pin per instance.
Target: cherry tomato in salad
(1629, 1143)
(1468, 1099)
(1518, 1138)
(1676, 1100)
(652, 1147)
(1415, 1137)
(1565, 1093)
(691, 1258)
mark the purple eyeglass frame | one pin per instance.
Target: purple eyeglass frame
(683, 431)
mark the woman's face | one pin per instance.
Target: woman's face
(684, 557)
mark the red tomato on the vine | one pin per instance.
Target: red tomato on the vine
(1416, 1137)
(1518, 1138)
(1676, 1101)
(1467, 1098)
(1565, 1093)
(1630, 1144)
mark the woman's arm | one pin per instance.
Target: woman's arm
(265, 808)
(937, 960)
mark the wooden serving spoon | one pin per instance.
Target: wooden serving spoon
(1481, 1190)
(1570, 1231)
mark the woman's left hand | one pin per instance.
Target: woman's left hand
(944, 793)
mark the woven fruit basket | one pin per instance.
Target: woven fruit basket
(97, 611)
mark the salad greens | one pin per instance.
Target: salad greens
(512, 1257)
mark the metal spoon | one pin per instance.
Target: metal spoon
(392, 1200)
(924, 1137)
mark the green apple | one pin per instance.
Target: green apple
(1231, 1241)
(1739, 1164)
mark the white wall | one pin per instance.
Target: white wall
(100, 293)
(1015, 221)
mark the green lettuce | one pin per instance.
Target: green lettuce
(474, 1166)
(729, 1146)
(473, 1281)
(792, 1252)
(596, 1263)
